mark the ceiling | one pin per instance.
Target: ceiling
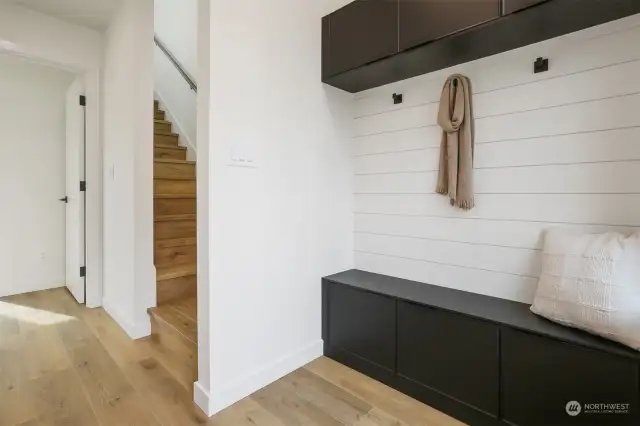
(94, 14)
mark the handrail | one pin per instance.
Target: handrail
(190, 81)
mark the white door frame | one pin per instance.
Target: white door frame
(75, 207)
(93, 194)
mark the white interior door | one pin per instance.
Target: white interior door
(75, 203)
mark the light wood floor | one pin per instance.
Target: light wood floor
(61, 364)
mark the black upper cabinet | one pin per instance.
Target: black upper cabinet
(422, 21)
(511, 6)
(362, 32)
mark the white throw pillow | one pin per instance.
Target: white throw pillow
(592, 282)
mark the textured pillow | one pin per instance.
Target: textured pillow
(592, 282)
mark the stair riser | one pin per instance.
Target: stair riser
(176, 288)
(156, 105)
(175, 255)
(164, 206)
(172, 170)
(162, 127)
(159, 115)
(176, 353)
(169, 154)
(169, 186)
(165, 139)
(175, 229)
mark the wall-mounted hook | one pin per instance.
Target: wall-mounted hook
(397, 98)
(540, 65)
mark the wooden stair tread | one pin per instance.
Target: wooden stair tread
(155, 120)
(167, 146)
(168, 272)
(176, 178)
(174, 217)
(176, 242)
(172, 315)
(158, 132)
(172, 161)
(174, 195)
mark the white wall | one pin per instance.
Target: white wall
(273, 231)
(32, 175)
(129, 274)
(78, 49)
(333, 5)
(561, 148)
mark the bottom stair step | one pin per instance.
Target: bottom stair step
(174, 338)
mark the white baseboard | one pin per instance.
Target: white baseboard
(134, 329)
(212, 403)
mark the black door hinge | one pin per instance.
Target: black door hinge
(83, 100)
(83, 186)
(83, 271)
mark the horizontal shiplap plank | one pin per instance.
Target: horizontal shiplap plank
(559, 208)
(406, 161)
(613, 113)
(497, 284)
(418, 116)
(608, 145)
(596, 84)
(505, 233)
(593, 178)
(404, 140)
(568, 56)
(492, 258)
(601, 114)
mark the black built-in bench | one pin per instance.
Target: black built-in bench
(480, 359)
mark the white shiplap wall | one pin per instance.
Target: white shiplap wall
(561, 148)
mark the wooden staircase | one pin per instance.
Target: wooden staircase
(174, 320)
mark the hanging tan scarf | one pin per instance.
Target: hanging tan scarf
(455, 177)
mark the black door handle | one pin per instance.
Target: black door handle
(65, 199)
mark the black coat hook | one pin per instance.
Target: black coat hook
(397, 98)
(541, 65)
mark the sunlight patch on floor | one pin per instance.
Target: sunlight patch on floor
(32, 315)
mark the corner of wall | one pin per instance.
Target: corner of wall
(212, 403)
(135, 328)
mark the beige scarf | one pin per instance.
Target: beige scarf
(455, 177)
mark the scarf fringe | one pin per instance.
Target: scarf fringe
(442, 190)
(465, 204)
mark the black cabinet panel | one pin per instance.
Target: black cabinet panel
(510, 6)
(451, 353)
(540, 376)
(362, 32)
(422, 21)
(363, 324)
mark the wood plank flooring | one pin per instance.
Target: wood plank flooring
(62, 364)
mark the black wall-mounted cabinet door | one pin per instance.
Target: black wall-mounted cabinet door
(451, 353)
(361, 32)
(540, 376)
(510, 6)
(422, 21)
(363, 324)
